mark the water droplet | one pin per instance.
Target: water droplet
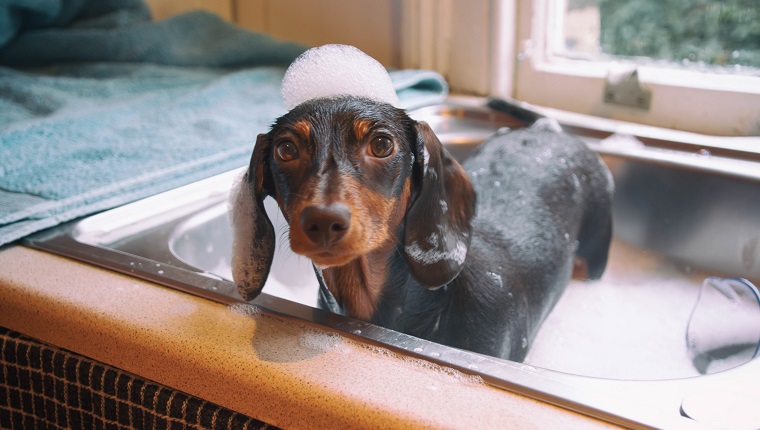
(356, 332)
(524, 342)
(435, 354)
(567, 236)
(705, 152)
(418, 349)
(528, 368)
(497, 183)
(473, 367)
(160, 272)
(131, 263)
(158, 264)
(496, 278)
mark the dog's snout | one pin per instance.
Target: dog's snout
(326, 225)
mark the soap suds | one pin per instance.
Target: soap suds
(445, 374)
(336, 70)
(436, 255)
(245, 309)
(241, 212)
(441, 373)
(323, 341)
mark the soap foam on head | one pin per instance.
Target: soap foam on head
(336, 70)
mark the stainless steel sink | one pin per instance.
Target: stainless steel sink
(686, 207)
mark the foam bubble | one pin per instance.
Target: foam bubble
(241, 215)
(336, 70)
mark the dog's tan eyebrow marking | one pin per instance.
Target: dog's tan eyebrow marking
(362, 127)
(302, 129)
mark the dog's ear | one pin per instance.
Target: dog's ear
(253, 234)
(438, 225)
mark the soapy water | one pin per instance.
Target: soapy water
(633, 323)
(630, 324)
(335, 70)
(618, 329)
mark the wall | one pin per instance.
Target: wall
(164, 8)
(374, 26)
(371, 25)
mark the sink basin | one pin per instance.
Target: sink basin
(613, 348)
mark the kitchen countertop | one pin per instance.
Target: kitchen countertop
(274, 369)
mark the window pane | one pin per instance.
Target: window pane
(686, 32)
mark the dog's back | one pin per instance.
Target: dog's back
(544, 201)
(534, 185)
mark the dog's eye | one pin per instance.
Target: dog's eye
(380, 147)
(286, 151)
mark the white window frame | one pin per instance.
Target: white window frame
(499, 48)
(702, 102)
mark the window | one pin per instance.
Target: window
(700, 59)
(688, 33)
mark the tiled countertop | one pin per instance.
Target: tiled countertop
(276, 370)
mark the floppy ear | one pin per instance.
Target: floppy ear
(438, 225)
(253, 234)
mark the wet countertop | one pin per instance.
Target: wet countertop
(276, 370)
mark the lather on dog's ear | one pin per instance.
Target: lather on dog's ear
(253, 233)
(438, 226)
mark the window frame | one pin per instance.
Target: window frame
(698, 101)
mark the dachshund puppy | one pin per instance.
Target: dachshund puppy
(391, 222)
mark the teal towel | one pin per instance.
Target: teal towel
(100, 106)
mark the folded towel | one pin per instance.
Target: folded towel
(117, 108)
(196, 39)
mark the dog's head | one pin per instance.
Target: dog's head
(353, 176)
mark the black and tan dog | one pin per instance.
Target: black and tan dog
(389, 219)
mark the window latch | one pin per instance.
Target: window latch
(624, 88)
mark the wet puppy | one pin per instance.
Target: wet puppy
(391, 222)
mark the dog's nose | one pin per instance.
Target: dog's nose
(326, 224)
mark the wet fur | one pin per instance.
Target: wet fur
(416, 258)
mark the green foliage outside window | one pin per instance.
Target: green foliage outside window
(724, 32)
